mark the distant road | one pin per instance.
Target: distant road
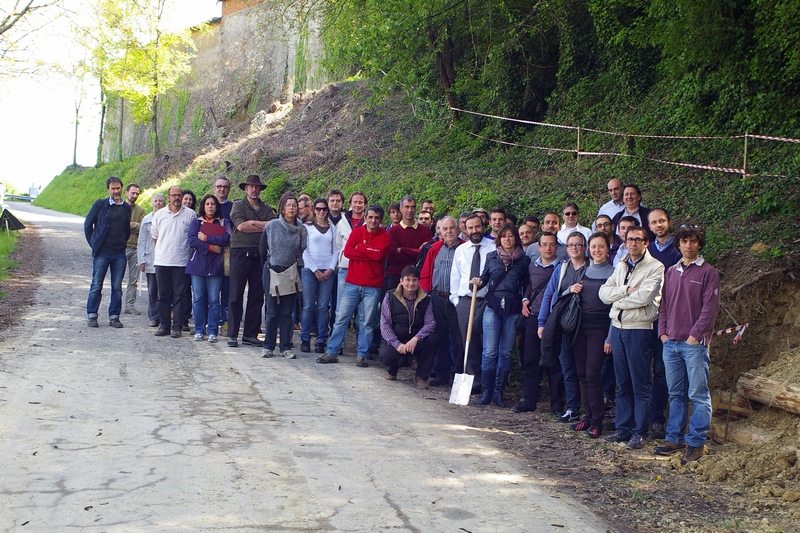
(118, 430)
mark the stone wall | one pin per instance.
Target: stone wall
(244, 62)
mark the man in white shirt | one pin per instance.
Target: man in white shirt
(615, 205)
(468, 262)
(570, 213)
(170, 232)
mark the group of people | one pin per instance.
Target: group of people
(618, 314)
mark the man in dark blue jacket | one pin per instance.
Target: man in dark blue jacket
(107, 228)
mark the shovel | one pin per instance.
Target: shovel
(462, 383)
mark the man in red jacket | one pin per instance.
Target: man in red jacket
(367, 249)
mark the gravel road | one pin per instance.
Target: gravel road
(118, 430)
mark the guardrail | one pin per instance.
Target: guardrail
(19, 197)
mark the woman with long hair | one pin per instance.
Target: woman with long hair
(592, 342)
(319, 260)
(282, 245)
(189, 201)
(506, 272)
(209, 233)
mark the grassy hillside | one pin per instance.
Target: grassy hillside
(346, 137)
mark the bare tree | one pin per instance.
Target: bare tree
(19, 19)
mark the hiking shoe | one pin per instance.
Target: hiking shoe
(249, 341)
(583, 425)
(668, 448)
(115, 323)
(390, 377)
(319, 348)
(305, 346)
(362, 362)
(421, 383)
(132, 311)
(186, 328)
(657, 431)
(636, 442)
(198, 336)
(692, 454)
(523, 406)
(327, 358)
(619, 435)
(161, 332)
(288, 354)
(176, 334)
(212, 338)
(92, 323)
(610, 414)
(267, 353)
(569, 416)
(154, 323)
(233, 343)
(594, 432)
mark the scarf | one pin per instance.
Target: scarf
(506, 257)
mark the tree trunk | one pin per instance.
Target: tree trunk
(444, 64)
(773, 393)
(121, 115)
(722, 402)
(75, 142)
(156, 144)
(737, 435)
(102, 125)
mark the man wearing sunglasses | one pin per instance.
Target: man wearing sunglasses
(634, 292)
(570, 214)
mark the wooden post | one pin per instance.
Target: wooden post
(744, 164)
(579, 143)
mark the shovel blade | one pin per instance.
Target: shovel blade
(462, 388)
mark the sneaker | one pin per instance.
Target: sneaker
(619, 435)
(161, 332)
(233, 343)
(668, 448)
(421, 383)
(198, 336)
(569, 416)
(212, 338)
(657, 431)
(362, 362)
(267, 353)
(92, 323)
(249, 341)
(305, 346)
(523, 406)
(583, 425)
(115, 323)
(288, 354)
(692, 454)
(154, 323)
(327, 358)
(594, 432)
(636, 442)
(176, 334)
(319, 348)
(132, 311)
(390, 377)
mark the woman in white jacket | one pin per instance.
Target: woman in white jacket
(319, 260)
(144, 256)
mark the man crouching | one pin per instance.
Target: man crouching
(407, 326)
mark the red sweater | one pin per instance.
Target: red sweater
(367, 251)
(409, 240)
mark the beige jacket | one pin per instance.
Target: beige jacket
(639, 309)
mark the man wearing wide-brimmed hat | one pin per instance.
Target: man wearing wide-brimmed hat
(248, 216)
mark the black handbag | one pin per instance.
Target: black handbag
(570, 319)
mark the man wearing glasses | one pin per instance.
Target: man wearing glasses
(634, 292)
(570, 213)
(222, 187)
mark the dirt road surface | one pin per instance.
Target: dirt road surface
(118, 430)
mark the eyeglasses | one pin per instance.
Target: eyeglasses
(175, 195)
(602, 224)
(222, 186)
(636, 240)
(320, 209)
(576, 245)
(570, 213)
(688, 226)
(547, 245)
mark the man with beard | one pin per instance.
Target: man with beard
(137, 214)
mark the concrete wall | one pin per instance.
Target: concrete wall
(246, 61)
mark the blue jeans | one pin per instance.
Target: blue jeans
(118, 264)
(354, 297)
(633, 355)
(205, 303)
(687, 378)
(316, 300)
(572, 387)
(499, 335)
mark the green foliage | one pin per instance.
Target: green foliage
(74, 190)
(182, 96)
(8, 243)
(198, 119)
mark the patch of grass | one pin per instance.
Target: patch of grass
(8, 243)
